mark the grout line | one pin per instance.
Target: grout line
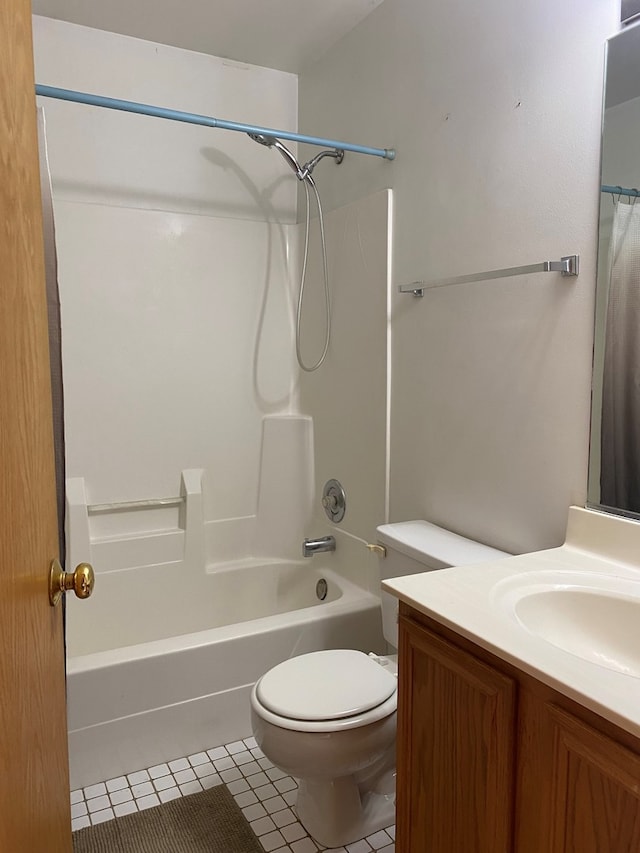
(264, 793)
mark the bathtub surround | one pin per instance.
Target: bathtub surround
(174, 251)
(178, 255)
(146, 163)
(286, 486)
(264, 794)
(183, 544)
(348, 397)
(177, 315)
(138, 537)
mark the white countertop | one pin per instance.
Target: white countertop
(474, 602)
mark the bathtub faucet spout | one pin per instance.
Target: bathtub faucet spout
(323, 543)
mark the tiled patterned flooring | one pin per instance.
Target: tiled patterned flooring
(264, 794)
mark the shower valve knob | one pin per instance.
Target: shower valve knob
(334, 501)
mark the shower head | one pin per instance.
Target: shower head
(302, 172)
(272, 142)
(263, 139)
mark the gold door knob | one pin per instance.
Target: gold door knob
(81, 581)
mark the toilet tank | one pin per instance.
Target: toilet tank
(419, 546)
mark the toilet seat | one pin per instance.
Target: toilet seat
(325, 691)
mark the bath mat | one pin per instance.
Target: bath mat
(207, 822)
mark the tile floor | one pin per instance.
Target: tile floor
(264, 794)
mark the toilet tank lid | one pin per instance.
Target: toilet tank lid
(434, 546)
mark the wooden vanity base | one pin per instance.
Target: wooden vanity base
(491, 760)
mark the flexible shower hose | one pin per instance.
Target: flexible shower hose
(310, 368)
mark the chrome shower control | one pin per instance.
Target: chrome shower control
(334, 501)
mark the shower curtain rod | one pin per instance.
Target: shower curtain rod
(634, 193)
(194, 118)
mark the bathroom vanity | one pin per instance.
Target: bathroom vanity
(491, 760)
(519, 700)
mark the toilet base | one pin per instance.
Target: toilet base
(335, 812)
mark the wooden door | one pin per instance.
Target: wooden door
(34, 775)
(456, 731)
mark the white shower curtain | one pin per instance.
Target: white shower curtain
(620, 466)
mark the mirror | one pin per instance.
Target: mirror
(614, 461)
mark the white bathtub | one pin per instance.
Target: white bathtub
(179, 680)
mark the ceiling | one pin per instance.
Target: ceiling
(285, 34)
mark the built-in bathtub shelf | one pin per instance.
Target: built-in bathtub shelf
(145, 531)
(181, 538)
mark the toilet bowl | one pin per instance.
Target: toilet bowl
(328, 718)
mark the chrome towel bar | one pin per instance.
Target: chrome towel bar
(566, 266)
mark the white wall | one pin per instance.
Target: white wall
(494, 109)
(175, 245)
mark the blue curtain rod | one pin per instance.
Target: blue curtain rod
(634, 193)
(194, 118)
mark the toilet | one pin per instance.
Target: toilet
(328, 718)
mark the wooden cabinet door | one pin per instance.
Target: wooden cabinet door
(594, 788)
(456, 728)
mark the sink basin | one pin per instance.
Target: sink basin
(593, 616)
